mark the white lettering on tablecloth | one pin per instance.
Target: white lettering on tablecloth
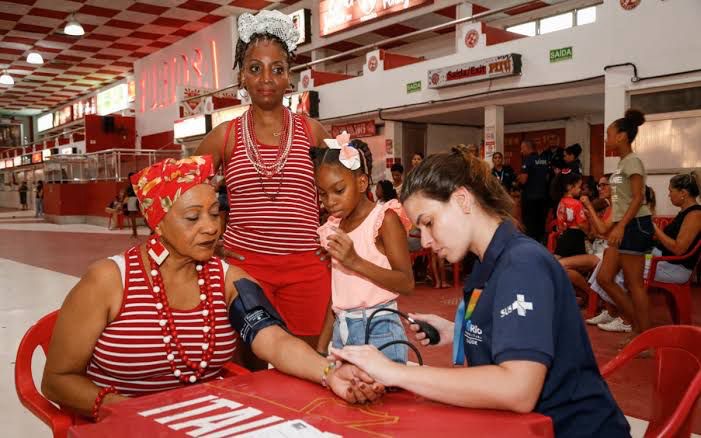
(210, 426)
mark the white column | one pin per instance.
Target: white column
(616, 102)
(393, 133)
(462, 10)
(493, 131)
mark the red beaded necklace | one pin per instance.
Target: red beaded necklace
(251, 142)
(169, 330)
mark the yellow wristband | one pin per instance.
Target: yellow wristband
(325, 375)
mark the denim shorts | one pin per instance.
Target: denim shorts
(386, 327)
(637, 237)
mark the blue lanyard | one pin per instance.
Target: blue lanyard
(463, 317)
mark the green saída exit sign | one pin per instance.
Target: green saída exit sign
(413, 87)
(562, 54)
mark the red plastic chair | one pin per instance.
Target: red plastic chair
(426, 252)
(39, 335)
(662, 221)
(423, 252)
(551, 229)
(120, 221)
(678, 383)
(58, 420)
(552, 242)
(592, 304)
(680, 303)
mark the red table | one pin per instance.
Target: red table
(244, 404)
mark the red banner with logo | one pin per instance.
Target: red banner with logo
(356, 130)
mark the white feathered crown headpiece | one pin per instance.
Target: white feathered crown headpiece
(270, 22)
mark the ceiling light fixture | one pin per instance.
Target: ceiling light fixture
(73, 27)
(6, 79)
(35, 58)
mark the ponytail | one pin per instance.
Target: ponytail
(566, 178)
(686, 181)
(630, 123)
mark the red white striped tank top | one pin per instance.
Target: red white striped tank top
(130, 353)
(257, 223)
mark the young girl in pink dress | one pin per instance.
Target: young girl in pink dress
(368, 246)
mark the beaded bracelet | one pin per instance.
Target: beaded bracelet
(325, 376)
(100, 398)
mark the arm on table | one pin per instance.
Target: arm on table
(252, 315)
(512, 385)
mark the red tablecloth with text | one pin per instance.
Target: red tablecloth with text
(250, 403)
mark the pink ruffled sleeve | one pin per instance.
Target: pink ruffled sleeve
(326, 230)
(396, 207)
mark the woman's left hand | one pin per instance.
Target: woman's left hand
(616, 236)
(353, 385)
(657, 231)
(369, 359)
(341, 248)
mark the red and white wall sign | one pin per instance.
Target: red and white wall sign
(490, 68)
(202, 60)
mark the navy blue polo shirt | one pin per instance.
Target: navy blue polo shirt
(528, 311)
(537, 167)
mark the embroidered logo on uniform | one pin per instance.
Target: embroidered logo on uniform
(472, 334)
(520, 306)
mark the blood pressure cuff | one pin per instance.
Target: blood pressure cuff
(251, 312)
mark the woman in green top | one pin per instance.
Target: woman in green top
(632, 232)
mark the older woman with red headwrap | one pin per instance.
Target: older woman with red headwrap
(168, 313)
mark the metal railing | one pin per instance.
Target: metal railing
(108, 165)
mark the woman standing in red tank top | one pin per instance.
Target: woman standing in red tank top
(274, 210)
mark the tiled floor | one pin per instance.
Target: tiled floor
(40, 262)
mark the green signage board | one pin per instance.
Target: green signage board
(413, 87)
(562, 54)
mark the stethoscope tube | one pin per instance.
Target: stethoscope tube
(388, 344)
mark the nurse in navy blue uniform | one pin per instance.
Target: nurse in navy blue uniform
(518, 327)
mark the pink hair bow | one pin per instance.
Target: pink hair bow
(349, 156)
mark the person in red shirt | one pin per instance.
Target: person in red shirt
(273, 203)
(572, 224)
